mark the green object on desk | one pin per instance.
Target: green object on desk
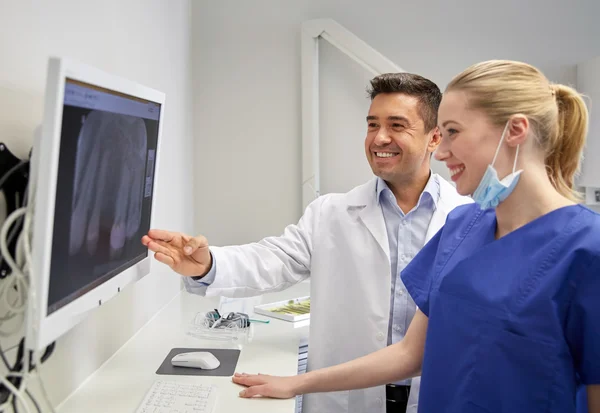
(294, 307)
(259, 321)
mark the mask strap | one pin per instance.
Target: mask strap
(516, 156)
(500, 144)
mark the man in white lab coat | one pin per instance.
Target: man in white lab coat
(353, 247)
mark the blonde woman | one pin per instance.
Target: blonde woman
(509, 289)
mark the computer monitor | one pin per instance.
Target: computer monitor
(96, 162)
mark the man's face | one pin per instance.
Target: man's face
(397, 145)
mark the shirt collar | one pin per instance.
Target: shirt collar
(432, 189)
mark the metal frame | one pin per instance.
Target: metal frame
(359, 51)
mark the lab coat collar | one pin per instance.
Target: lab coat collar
(363, 200)
(449, 198)
(363, 194)
(367, 194)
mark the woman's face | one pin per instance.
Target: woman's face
(469, 141)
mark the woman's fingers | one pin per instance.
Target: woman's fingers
(262, 390)
(264, 385)
(248, 380)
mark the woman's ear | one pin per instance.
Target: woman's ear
(518, 130)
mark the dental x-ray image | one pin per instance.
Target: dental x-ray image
(109, 181)
(103, 198)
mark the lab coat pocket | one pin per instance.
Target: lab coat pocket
(513, 373)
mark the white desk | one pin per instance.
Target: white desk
(119, 386)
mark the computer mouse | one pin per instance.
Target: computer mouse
(197, 360)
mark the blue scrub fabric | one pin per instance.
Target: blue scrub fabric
(513, 322)
(582, 400)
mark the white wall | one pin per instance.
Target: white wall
(247, 88)
(588, 81)
(146, 41)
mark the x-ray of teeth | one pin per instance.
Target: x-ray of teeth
(104, 190)
(109, 181)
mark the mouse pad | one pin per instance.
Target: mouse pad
(227, 357)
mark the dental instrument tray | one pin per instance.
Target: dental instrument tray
(297, 309)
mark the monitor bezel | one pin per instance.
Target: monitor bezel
(44, 328)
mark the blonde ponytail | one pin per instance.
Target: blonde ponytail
(565, 148)
(557, 113)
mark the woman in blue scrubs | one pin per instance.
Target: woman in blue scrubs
(509, 290)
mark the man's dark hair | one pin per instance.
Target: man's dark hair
(427, 92)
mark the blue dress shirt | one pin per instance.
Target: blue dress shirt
(406, 236)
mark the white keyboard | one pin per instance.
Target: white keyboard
(166, 396)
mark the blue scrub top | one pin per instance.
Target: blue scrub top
(582, 403)
(513, 322)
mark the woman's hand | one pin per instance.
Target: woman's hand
(266, 386)
(393, 363)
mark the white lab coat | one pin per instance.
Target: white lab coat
(341, 243)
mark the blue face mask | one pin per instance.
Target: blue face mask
(491, 190)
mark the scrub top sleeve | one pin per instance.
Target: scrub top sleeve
(582, 330)
(418, 274)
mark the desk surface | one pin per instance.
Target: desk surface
(121, 383)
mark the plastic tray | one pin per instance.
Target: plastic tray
(287, 310)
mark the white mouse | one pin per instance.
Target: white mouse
(196, 359)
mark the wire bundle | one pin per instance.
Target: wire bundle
(216, 320)
(15, 288)
(233, 327)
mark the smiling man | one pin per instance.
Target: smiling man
(353, 247)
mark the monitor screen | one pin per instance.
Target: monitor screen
(108, 144)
